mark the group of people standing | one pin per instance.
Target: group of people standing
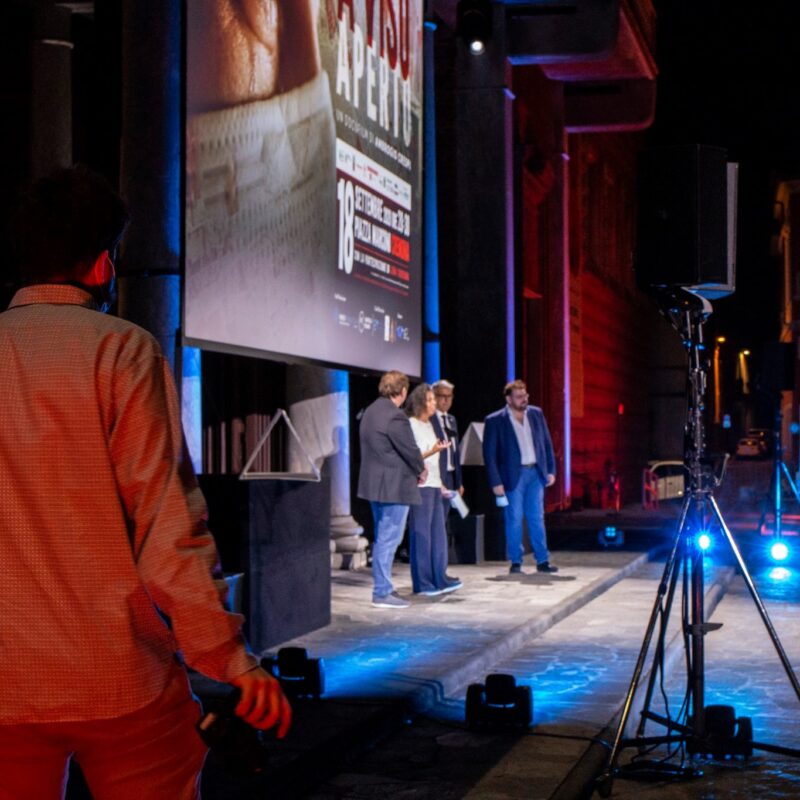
(410, 472)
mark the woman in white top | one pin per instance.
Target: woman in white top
(427, 535)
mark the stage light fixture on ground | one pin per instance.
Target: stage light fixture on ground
(611, 536)
(498, 702)
(299, 675)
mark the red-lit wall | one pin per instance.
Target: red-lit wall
(611, 322)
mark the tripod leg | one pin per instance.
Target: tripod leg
(757, 600)
(698, 668)
(659, 652)
(767, 503)
(606, 778)
(792, 484)
(778, 495)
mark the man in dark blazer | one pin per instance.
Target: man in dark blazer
(520, 463)
(391, 466)
(445, 426)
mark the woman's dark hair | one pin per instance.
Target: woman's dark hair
(418, 399)
(64, 222)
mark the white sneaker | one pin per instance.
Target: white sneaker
(450, 587)
(392, 600)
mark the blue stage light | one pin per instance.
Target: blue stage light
(779, 551)
(611, 536)
(703, 541)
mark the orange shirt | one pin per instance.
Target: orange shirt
(102, 525)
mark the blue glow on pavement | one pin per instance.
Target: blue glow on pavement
(779, 574)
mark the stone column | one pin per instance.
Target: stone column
(148, 270)
(319, 407)
(51, 90)
(477, 197)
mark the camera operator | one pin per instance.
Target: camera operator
(109, 569)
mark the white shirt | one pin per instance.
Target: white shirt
(524, 439)
(425, 437)
(451, 467)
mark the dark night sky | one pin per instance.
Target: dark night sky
(730, 77)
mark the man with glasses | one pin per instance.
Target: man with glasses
(446, 427)
(520, 463)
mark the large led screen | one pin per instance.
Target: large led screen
(303, 180)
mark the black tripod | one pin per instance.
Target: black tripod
(708, 730)
(774, 499)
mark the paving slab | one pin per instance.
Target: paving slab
(427, 651)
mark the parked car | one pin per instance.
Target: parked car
(751, 447)
(764, 435)
(670, 478)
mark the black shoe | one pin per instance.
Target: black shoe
(546, 566)
(515, 569)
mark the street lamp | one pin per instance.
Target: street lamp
(744, 371)
(720, 340)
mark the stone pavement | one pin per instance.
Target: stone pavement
(573, 637)
(430, 650)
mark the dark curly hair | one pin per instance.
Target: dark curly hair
(64, 221)
(418, 399)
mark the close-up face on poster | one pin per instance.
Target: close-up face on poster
(303, 180)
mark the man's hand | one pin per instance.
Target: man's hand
(549, 480)
(423, 476)
(499, 490)
(461, 490)
(263, 704)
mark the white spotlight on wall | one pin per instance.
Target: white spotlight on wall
(474, 24)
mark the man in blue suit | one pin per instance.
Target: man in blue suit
(520, 463)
